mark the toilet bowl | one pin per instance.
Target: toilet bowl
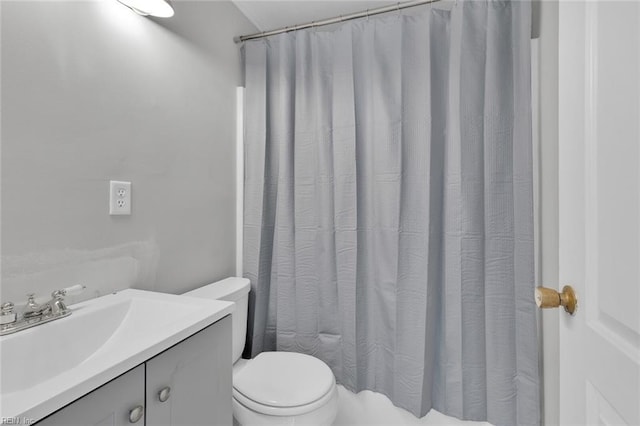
(274, 388)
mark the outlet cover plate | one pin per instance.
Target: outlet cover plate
(119, 197)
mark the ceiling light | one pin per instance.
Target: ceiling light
(159, 8)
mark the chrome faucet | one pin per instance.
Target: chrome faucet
(32, 309)
(34, 313)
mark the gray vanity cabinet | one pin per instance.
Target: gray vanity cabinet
(188, 384)
(110, 404)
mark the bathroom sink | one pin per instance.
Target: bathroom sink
(55, 347)
(46, 367)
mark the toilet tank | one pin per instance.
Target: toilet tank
(233, 290)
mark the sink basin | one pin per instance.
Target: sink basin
(55, 347)
(48, 366)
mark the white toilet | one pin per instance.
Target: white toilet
(274, 388)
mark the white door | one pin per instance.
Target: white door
(600, 211)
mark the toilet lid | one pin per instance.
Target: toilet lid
(284, 379)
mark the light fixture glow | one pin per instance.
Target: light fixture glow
(159, 8)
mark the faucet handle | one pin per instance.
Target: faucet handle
(74, 290)
(6, 308)
(7, 316)
(68, 291)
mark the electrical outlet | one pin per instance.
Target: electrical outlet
(119, 197)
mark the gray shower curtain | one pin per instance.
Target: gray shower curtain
(388, 206)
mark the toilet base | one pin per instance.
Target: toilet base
(321, 416)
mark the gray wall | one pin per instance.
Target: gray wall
(91, 92)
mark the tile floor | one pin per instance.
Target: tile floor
(370, 408)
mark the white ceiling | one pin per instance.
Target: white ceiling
(273, 14)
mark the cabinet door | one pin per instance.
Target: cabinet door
(108, 405)
(198, 373)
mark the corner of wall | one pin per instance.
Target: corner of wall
(547, 27)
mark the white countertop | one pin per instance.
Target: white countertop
(46, 367)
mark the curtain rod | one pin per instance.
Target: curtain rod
(336, 20)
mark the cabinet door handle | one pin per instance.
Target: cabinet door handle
(136, 413)
(164, 394)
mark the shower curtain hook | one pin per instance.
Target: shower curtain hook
(367, 14)
(398, 9)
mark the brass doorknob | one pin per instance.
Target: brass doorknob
(549, 298)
